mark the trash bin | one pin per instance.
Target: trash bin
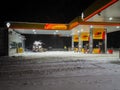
(20, 50)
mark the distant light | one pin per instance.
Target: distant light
(81, 30)
(110, 18)
(78, 31)
(33, 30)
(56, 30)
(8, 24)
(91, 26)
(118, 27)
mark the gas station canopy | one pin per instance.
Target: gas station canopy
(98, 14)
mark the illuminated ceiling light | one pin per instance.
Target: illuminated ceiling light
(117, 26)
(81, 30)
(91, 26)
(110, 18)
(56, 30)
(78, 31)
(8, 24)
(33, 30)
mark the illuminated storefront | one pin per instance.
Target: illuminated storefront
(89, 32)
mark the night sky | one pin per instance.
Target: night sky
(43, 11)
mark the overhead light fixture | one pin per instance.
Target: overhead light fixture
(91, 26)
(33, 30)
(81, 30)
(110, 18)
(78, 31)
(117, 26)
(8, 24)
(56, 30)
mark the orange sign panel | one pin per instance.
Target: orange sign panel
(84, 36)
(56, 26)
(98, 33)
(75, 38)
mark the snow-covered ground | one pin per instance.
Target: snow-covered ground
(60, 70)
(68, 55)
